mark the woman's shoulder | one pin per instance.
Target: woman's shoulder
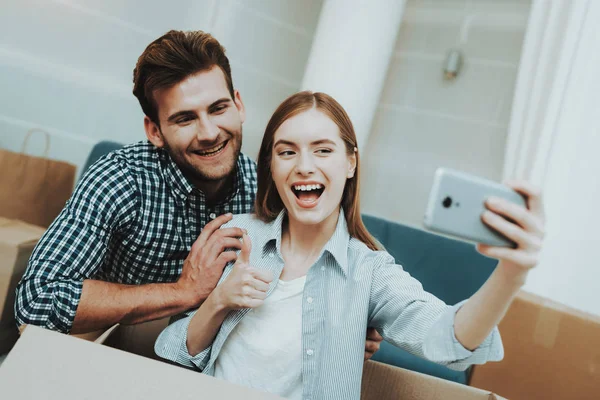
(359, 251)
(245, 221)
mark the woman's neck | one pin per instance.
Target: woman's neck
(302, 240)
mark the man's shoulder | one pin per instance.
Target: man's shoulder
(247, 166)
(128, 161)
(121, 171)
(140, 155)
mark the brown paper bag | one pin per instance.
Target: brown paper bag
(17, 240)
(34, 189)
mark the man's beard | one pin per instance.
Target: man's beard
(196, 174)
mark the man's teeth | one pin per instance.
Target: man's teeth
(213, 150)
(308, 187)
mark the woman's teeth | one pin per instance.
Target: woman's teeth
(308, 187)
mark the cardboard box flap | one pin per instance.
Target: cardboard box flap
(16, 233)
(45, 363)
(559, 343)
(382, 381)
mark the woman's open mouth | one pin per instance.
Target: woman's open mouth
(213, 151)
(307, 196)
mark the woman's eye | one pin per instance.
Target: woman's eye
(323, 151)
(286, 153)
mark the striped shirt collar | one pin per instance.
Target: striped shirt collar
(337, 245)
(180, 185)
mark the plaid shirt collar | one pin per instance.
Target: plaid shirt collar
(182, 188)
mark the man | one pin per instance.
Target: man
(139, 239)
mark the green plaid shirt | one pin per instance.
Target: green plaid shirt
(132, 220)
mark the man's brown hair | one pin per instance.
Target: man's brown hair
(170, 59)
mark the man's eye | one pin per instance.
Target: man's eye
(219, 109)
(184, 120)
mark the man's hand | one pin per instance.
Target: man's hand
(204, 265)
(246, 286)
(373, 341)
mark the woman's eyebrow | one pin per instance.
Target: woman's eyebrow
(284, 142)
(323, 141)
(315, 143)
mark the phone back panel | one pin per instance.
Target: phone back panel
(457, 201)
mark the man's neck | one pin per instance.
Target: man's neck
(215, 191)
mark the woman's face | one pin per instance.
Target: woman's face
(310, 166)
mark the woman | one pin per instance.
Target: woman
(289, 316)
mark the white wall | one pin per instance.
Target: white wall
(424, 121)
(66, 65)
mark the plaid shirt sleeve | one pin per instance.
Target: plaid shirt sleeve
(73, 247)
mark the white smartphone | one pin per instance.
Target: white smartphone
(457, 201)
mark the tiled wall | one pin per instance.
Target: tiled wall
(424, 121)
(66, 65)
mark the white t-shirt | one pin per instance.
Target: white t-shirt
(264, 350)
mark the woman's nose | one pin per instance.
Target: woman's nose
(305, 164)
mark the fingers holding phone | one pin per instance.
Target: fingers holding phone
(524, 225)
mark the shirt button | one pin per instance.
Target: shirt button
(322, 268)
(309, 300)
(212, 215)
(310, 352)
(272, 254)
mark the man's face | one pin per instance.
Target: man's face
(200, 126)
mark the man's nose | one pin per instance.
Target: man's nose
(305, 164)
(208, 131)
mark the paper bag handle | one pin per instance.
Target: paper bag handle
(28, 135)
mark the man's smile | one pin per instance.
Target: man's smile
(213, 151)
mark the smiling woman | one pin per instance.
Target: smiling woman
(311, 140)
(314, 277)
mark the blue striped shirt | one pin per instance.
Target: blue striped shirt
(347, 289)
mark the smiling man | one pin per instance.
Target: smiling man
(140, 238)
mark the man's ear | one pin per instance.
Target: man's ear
(153, 133)
(351, 165)
(239, 104)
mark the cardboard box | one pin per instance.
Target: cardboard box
(385, 382)
(17, 240)
(50, 365)
(138, 339)
(551, 352)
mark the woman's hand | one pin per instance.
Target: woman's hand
(527, 231)
(246, 286)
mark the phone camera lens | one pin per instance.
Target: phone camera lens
(447, 202)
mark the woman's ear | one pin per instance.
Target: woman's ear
(351, 164)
